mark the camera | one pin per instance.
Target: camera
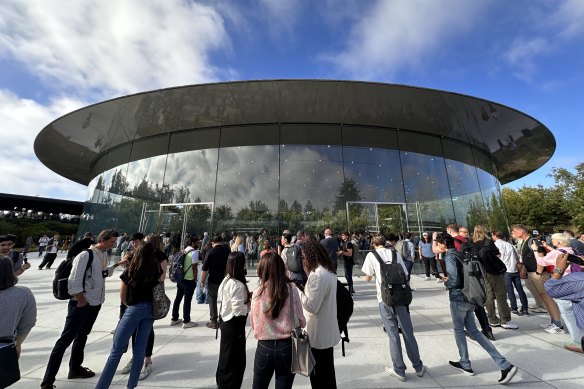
(573, 258)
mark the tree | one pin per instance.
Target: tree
(572, 186)
(347, 192)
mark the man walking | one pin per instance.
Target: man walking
(83, 307)
(51, 254)
(214, 268)
(393, 318)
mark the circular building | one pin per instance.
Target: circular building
(295, 154)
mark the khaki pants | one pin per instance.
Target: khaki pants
(496, 291)
(532, 287)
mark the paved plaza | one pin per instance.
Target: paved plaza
(187, 358)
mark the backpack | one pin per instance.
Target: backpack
(293, 262)
(395, 290)
(61, 280)
(344, 312)
(473, 281)
(177, 267)
(402, 248)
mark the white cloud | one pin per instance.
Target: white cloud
(112, 47)
(523, 55)
(392, 35)
(20, 171)
(568, 18)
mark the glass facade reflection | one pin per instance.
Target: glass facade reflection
(293, 176)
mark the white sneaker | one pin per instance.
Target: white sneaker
(510, 325)
(439, 280)
(127, 368)
(546, 326)
(427, 279)
(175, 322)
(393, 373)
(412, 288)
(146, 370)
(554, 329)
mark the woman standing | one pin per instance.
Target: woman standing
(271, 322)
(319, 301)
(138, 279)
(18, 313)
(234, 296)
(428, 256)
(238, 244)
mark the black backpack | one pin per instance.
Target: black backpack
(60, 282)
(177, 267)
(395, 290)
(293, 261)
(344, 312)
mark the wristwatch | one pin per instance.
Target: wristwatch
(557, 270)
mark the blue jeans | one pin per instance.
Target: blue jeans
(201, 294)
(409, 267)
(513, 280)
(567, 312)
(136, 318)
(273, 356)
(391, 320)
(462, 314)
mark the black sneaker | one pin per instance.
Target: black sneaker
(507, 374)
(83, 372)
(515, 312)
(458, 366)
(48, 386)
(488, 334)
(526, 313)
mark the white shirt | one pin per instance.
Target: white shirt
(232, 295)
(508, 255)
(371, 266)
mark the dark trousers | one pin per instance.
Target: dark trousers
(186, 289)
(231, 364)
(430, 264)
(481, 315)
(48, 260)
(212, 292)
(513, 280)
(273, 356)
(78, 325)
(149, 343)
(323, 375)
(349, 273)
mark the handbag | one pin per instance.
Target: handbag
(160, 302)
(9, 370)
(302, 359)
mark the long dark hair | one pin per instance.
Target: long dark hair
(314, 254)
(143, 268)
(7, 276)
(236, 269)
(272, 274)
(156, 242)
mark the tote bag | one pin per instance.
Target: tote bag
(302, 358)
(160, 302)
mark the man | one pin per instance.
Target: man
(576, 244)
(7, 243)
(346, 253)
(405, 246)
(83, 308)
(51, 254)
(43, 244)
(527, 266)
(461, 312)
(214, 268)
(510, 258)
(393, 318)
(581, 238)
(331, 245)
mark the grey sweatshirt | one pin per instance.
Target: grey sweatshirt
(17, 311)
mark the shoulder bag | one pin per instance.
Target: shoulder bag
(302, 358)
(160, 302)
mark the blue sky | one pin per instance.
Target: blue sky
(58, 55)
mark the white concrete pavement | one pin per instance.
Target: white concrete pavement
(187, 358)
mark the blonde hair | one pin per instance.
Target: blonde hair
(480, 233)
(237, 243)
(562, 238)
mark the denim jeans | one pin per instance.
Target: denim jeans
(201, 293)
(186, 289)
(409, 267)
(462, 314)
(78, 325)
(273, 356)
(567, 312)
(137, 318)
(513, 280)
(391, 320)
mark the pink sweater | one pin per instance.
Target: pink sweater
(265, 328)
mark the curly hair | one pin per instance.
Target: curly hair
(273, 280)
(314, 254)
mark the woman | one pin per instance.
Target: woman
(428, 256)
(18, 311)
(138, 279)
(238, 244)
(234, 296)
(267, 248)
(319, 302)
(271, 322)
(186, 287)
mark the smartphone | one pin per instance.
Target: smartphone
(573, 258)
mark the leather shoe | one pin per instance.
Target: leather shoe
(488, 334)
(83, 372)
(211, 324)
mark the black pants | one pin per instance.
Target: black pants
(483, 319)
(48, 260)
(186, 289)
(78, 325)
(430, 264)
(231, 365)
(323, 375)
(149, 344)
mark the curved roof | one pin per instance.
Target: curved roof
(517, 143)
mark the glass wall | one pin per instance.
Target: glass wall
(296, 176)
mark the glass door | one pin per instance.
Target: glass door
(377, 217)
(186, 219)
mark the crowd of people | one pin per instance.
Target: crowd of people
(297, 287)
